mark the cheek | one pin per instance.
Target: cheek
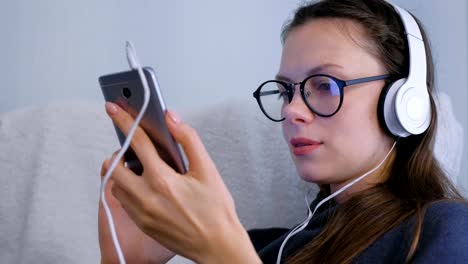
(355, 128)
(358, 116)
(352, 140)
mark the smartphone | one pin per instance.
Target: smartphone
(126, 90)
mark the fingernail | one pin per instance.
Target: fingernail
(111, 108)
(174, 116)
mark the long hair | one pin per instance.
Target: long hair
(416, 179)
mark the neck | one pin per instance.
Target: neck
(378, 176)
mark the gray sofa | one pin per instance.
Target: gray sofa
(51, 156)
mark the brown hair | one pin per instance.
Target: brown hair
(416, 179)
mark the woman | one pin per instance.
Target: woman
(403, 210)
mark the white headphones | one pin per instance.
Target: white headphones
(405, 103)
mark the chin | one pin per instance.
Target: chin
(313, 174)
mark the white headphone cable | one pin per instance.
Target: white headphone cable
(310, 214)
(135, 65)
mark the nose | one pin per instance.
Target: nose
(297, 112)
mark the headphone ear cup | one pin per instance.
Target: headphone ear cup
(413, 108)
(380, 108)
(387, 112)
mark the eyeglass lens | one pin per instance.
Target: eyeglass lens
(322, 94)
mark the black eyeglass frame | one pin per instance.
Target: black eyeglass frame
(290, 88)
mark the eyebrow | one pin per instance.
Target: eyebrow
(315, 70)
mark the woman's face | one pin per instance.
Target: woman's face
(351, 141)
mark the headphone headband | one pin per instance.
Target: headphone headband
(417, 59)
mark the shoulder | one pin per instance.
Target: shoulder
(446, 212)
(446, 220)
(444, 234)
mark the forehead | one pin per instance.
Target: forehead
(328, 41)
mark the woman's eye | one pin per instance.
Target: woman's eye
(325, 87)
(283, 95)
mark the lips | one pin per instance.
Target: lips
(302, 146)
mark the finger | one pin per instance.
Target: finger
(106, 164)
(111, 201)
(154, 214)
(141, 143)
(122, 196)
(134, 207)
(104, 167)
(128, 181)
(190, 141)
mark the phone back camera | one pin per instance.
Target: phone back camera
(126, 92)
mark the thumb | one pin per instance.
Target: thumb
(188, 138)
(111, 200)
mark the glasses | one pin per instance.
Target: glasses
(323, 94)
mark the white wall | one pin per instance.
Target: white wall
(203, 51)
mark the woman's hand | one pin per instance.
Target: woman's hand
(191, 214)
(137, 247)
